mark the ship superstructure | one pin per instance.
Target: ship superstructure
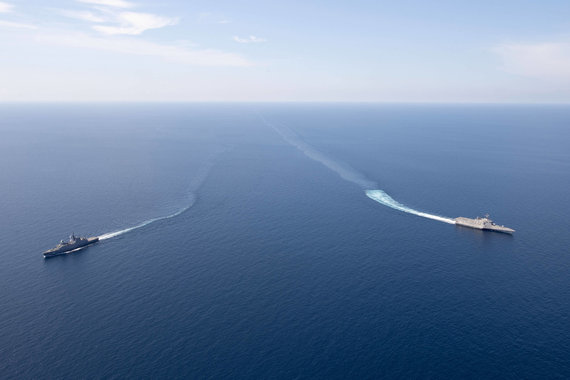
(484, 223)
(74, 242)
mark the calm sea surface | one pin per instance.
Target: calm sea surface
(257, 254)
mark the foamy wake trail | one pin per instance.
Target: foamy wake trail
(194, 185)
(349, 174)
(383, 198)
(145, 223)
(343, 170)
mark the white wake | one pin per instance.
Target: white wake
(381, 197)
(194, 186)
(343, 170)
(145, 223)
(349, 174)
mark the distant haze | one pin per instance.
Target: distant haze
(361, 51)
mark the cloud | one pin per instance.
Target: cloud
(250, 39)
(212, 18)
(134, 23)
(119, 21)
(114, 21)
(16, 25)
(5, 7)
(83, 15)
(109, 3)
(549, 60)
(207, 57)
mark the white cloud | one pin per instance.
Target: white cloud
(124, 45)
(83, 15)
(250, 39)
(550, 60)
(16, 25)
(109, 3)
(212, 18)
(118, 20)
(134, 23)
(204, 16)
(5, 7)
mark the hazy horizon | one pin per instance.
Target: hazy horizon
(316, 102)
(365, 51)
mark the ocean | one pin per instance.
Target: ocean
(284, 241)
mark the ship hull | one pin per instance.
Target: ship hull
(503, 231)
(63, 251)
(475, 224)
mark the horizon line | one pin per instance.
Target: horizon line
(277, 102)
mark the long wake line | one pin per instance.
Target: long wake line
(381, 197)
(194, 186)
(145, 223)
(349, 174)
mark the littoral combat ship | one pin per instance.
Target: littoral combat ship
(74, 243)
(482, 224)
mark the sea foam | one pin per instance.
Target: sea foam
(349, 174)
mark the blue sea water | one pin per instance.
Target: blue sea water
(257, 253)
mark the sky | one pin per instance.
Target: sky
(506, 51)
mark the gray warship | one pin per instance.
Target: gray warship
(75, 242)
(482, 224)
